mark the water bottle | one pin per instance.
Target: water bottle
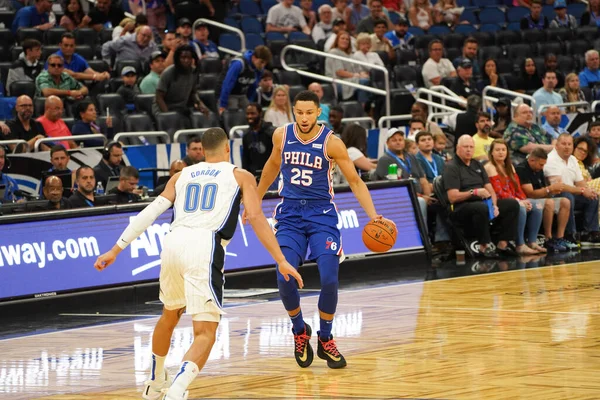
(392, 172)
(144, 141)
(99, 189)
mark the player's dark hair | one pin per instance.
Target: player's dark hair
(212, 138)
(306, 95)
(57, 149)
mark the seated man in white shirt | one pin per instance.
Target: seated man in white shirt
(436, 68)
(324, 28)
(285, 17)
(562, 167)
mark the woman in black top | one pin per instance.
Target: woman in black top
(530, 80)
(490, 76)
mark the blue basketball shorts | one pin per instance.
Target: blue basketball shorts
(308, 224)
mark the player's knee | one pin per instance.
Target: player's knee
(172, 316)
(206, 327)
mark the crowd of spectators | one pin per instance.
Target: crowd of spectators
(161, 53)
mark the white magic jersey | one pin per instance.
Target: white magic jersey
(207, 196)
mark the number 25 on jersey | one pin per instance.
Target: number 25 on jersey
(301, 177)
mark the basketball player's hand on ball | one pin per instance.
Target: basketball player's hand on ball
(105, 260)
(286, 269)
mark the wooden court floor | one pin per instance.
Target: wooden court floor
(526, 334)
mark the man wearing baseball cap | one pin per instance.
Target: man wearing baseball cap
(400, 37)
(129, 88)
(184, 29)
(562, 19)
(157, 66)
(207, 47)
(408, 166)
(464, 85)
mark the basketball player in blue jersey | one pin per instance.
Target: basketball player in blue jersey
(306, 153)
(205, 199)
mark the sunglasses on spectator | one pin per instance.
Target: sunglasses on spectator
(56, 65)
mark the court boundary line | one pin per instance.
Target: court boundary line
(341, 292)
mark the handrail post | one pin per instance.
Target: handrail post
(236, 128)
(370, 120)
(227, 28)
(14, 141)
(369, 89)
(507, 92)
(389, 118)
(77, 137)
(187, 132)
(145, 133)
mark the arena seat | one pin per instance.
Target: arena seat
(114, 102)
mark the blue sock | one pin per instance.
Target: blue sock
(298, 323)
(328, 270)
(288, 291)
(325, 329)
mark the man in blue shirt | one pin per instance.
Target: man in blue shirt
(590, 73)
(208, 48)
(400, 37)
(35, 16)
(8, 184)
(237, 83)
(75, 65)
(552, 124)
(546, 94)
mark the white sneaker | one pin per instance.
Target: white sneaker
(153, 390)
(185, 396)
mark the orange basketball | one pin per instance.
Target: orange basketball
(380, 235)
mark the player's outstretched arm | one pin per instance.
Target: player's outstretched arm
(140, 223)
(336, 149)
(272, 166)
(254, 214)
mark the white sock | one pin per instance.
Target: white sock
(157, 370)
(187, 373)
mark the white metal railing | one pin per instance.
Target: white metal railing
(187, 132)
(433, 104)
(370, 120)
(235, 129)
(14, 141)
(142, 135)
(438, 95)
(443, 90)
(227, 28)
(389, 118)
(544, 107)
(73, 138)
(507, 92)
(369, 89)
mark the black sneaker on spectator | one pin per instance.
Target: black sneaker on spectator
(594, 238)
(585, 239)
(555, 245)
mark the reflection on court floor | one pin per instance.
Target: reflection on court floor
(522, 334)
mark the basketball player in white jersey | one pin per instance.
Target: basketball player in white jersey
(206, 198)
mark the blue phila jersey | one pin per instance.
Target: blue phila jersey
(306, 170)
